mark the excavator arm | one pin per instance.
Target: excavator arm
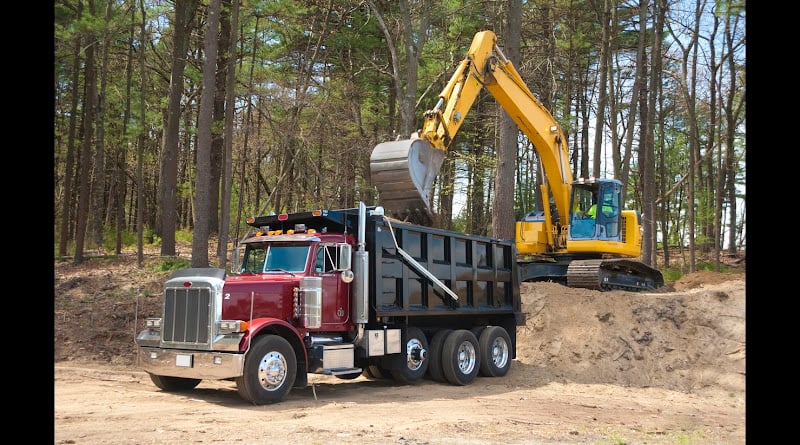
(404, 171)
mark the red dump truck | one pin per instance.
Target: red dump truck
(338, 292)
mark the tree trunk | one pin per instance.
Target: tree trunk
(69, 180)
(121, 165)
(227, 148)
(168, 180)
(140, 141)
(602, 85)
(734, 105)
(503, 220)
(99, 183)
(217, 143)
(89, 110)
(202, 201)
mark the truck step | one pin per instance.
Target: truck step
(341, 371)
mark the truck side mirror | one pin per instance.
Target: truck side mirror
(347, 276)
(346, 262)
(345, 256)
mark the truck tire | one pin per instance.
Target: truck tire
(460, 357)
(270, 369)
(495, 352)
(435, 370)
(414, 356)
(376, 372)
(173, 384)
(351, 376)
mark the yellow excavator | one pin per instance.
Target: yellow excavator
(584, 238)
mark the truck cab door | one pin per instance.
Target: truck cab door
(335, 291)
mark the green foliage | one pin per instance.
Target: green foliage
(616, 440)
(672, 273)
(169, 265)
(459, 222)
(110, 238)
(709, 267)
(690, 437)
(184, 235)
(675, 272)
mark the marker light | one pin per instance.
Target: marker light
(231, 326)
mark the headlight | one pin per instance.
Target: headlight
(232, 326)
(152, 323)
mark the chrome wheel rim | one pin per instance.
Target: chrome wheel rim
(272, 371)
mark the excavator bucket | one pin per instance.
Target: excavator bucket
(403, 172)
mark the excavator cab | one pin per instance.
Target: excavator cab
(595, 213)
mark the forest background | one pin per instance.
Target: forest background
(178, 119)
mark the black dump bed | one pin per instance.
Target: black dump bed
(482, 272)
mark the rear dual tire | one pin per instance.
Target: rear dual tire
(460, 357)
(495, 347)
(457, 357)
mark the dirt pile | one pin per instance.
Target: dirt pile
(684, 340)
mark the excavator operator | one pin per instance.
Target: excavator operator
(608, 209)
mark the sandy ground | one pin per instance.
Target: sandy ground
(592, 368)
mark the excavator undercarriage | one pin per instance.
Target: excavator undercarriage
(598, 274)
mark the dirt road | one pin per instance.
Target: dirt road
(591, 368)
(104, 406)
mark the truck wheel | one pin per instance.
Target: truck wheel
(415, 360)
(495, 351)
(435, 370)
(173, 384)
(376, 372)
(270, 369)
(460, 357)
(477, 330)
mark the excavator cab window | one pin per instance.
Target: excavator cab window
(595, 211)
(582, 201)
(582, 221)
(609, 205)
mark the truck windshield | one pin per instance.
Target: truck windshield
(276, 258)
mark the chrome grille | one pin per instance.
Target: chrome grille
(187, 315)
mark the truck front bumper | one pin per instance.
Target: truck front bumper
(191, 364)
